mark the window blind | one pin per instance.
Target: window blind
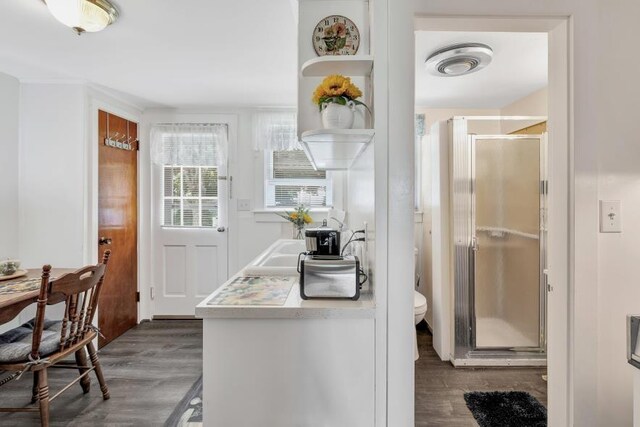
(291, 180)
(294, 164)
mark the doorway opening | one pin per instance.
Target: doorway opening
(494, 107)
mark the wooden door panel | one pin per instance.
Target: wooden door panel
(117, 216)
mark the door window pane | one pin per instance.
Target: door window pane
(190, 196)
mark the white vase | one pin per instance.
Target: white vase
(336, 116)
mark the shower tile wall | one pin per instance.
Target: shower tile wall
(507, 290)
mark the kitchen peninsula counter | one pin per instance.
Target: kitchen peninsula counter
(273, 359)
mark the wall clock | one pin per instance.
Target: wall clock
(336, 35)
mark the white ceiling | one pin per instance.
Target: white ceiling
(163, 52)
(519, 67)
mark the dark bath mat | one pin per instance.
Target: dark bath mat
(506, 409)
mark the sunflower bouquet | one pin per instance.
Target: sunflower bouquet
(299, 218)
(337, 89)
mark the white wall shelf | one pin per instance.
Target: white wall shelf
(356, 65)
(335, 149)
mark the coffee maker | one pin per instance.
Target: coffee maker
(323, 242)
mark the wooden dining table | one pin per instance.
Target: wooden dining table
(24, 298)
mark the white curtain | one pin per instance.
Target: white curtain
(189, 144)
(275, 131)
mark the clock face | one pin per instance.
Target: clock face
(336, 35)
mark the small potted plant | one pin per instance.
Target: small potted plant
(299, 218)
(337, 97)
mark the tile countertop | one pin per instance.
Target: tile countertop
(293, 308)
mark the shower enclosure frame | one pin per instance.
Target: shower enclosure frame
(462, 174)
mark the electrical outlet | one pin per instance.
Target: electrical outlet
(610, 216)
(244, 204)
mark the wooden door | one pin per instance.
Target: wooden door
(118, 225)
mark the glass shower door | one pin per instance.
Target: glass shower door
(506, 222)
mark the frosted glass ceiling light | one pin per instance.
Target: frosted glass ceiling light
(83, 15)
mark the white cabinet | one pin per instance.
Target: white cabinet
(289, 372)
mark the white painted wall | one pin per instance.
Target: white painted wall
(534, 104)
(361, 209)
(605, 158)
(618, 158)
(250, 232)
(9, 134)
(52, 174)
(58, 171)
(439, 239)
(434, 115)
(397, 162)
(636, 398)
(430, 165)
(58, 175)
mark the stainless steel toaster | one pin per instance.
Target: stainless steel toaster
(330, 277)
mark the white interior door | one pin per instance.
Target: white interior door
(190, 237)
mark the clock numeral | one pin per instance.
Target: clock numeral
(335, 20)
(326, 22)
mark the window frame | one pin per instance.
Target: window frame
(183, 198)
(269, 182)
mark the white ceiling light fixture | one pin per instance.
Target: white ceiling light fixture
(459, 59)
(83, 15)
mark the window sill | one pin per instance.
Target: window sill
(270, 215)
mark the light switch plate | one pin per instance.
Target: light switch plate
(244, 204)
(610, 216)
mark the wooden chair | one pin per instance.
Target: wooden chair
(52, 342)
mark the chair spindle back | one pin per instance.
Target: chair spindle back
(80, 292)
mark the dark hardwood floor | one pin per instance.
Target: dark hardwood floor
(440, 387)
(149, 369)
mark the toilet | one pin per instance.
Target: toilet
(419, 301)
(419, 306)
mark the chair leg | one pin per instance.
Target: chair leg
(34, 391)
(81, 360)
(96, 364)
(43, 396)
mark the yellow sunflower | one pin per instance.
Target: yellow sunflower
(319, 93)
(353, 91)
(293, 215)
(335, 85)
(307, 219)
